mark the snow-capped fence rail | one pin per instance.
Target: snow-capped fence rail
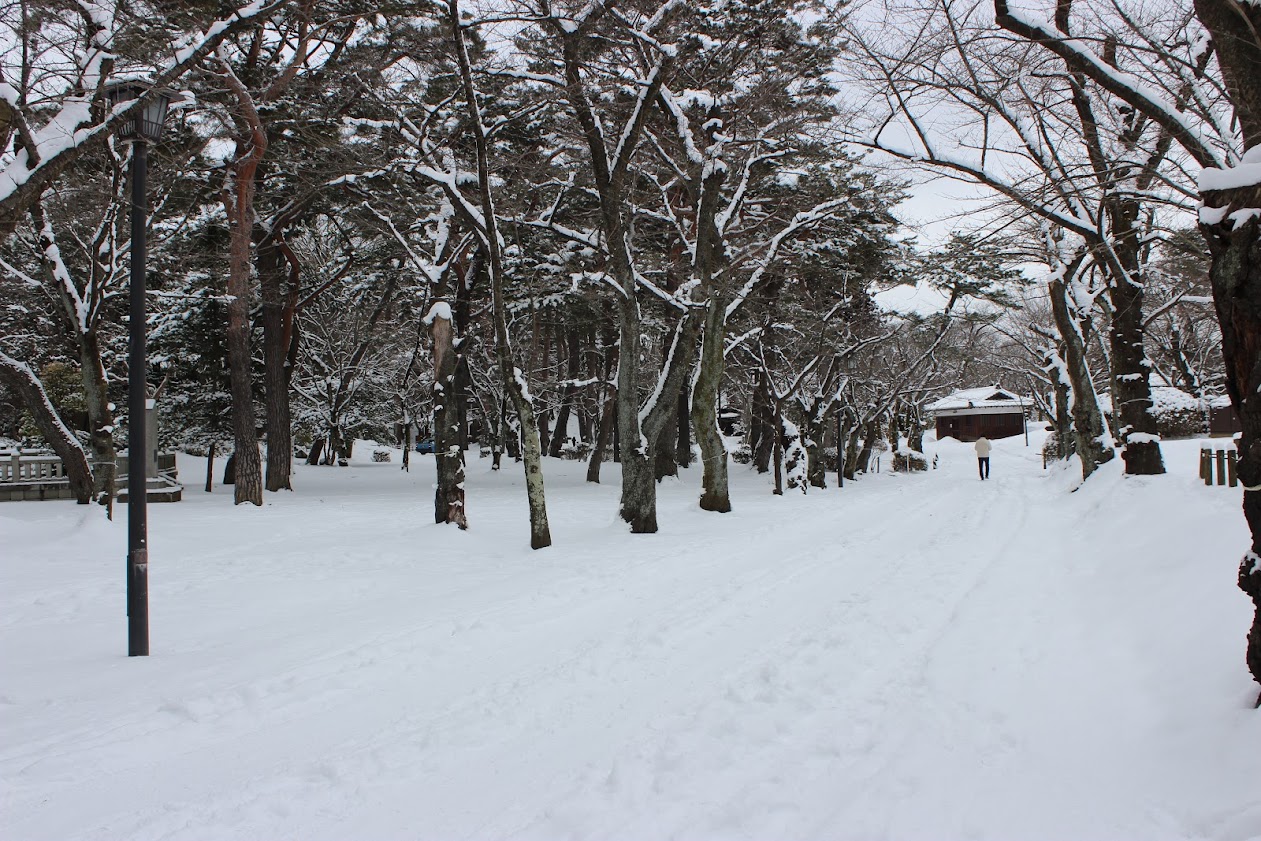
(30, 466)
(39, 474)
(1223, 462)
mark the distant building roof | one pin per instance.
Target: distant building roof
(990, 397)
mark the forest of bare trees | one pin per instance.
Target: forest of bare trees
(594, 230)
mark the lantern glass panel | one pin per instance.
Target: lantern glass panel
(146, 123)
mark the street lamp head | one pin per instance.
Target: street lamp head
(147, 122)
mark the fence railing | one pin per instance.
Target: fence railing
(1222, 464)
(42, 466)
(30, 466)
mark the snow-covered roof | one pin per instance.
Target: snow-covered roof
(989, 397)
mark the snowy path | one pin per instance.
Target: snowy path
(912, 657)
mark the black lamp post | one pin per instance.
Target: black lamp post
(144, 126)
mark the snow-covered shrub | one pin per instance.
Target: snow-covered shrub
(380, 455)
(1051, 446)
(829, 458)
(1179, 421)
(741, 454)
(907, 461)
(576, 450)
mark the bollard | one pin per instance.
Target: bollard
(1221, 467)
(1206, 466)
(1232, 466)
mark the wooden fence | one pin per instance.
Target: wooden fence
(1222, 464)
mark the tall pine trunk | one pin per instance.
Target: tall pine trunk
(277, 333)
(238, 204)
(448, 500)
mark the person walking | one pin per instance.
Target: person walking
(983, 448)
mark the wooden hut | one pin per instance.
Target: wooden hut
(969, 414)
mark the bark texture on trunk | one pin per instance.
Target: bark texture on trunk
(100, 417)
(763, 423)
(448, 501)
(1088, 429)
(238, 204)
(638, 503)
(683, 439)
(666, 451)
(870, 437)
(639, 496)
(714, 484)
(23, 382)
(277, 319)
(1236, 279)
(513, 379)
(608, 417)
(1131, 395)
(816, 465)
(210, 467)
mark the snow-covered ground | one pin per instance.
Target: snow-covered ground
(922, 657)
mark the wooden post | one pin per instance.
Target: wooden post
(1206, 466)
(1221, 467)
(1232, 466)
(210, 467)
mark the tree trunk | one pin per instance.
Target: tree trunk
(661, 411)
(448, 501)
(561, 436)
(545, 429)
(683, 439)
(871, 436)
(915, 433)
(777, 452)
(638, 504)
(665, 461)
(22, 380)
(816, 464)
(514, 381)
(608, 417)
(1131, 396)
(100, 418)
(1088, 429)
(317, 448)
(1063, 420)
(603, 438)
(715, 495)
(1236, 280)
(277, 334)
(763, 424)
(238, 204)
(852, 452)
(229, 470)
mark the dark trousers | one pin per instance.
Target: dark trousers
(983, 466)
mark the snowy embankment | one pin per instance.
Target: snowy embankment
(908, 658)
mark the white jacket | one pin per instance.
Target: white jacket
(983, 448)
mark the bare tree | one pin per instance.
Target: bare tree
(1213, 117)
